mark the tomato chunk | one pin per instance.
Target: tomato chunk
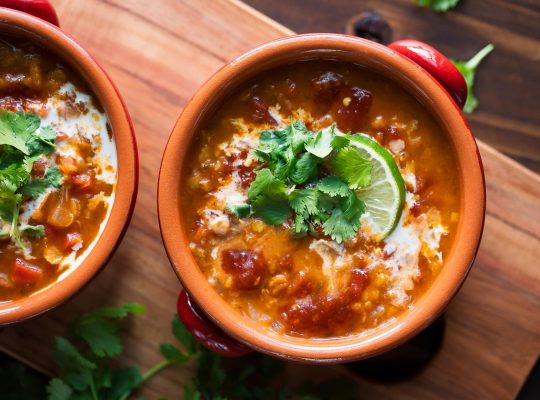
(83, 182)
(24, 272)
(246, 267)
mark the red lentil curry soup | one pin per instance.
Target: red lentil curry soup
(57, 168)
(321, 199)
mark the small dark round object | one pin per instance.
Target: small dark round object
(404, 361)
(372, 26)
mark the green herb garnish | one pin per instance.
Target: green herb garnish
(468, 70)
(23, 142)
(437, 5)
(88, 368)
(291, 182)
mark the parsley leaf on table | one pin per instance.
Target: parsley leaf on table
(468, 70)
(438, 5)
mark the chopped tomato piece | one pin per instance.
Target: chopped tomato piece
(24, 272)
(72, 239)
(83, 182)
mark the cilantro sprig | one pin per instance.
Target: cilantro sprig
(22, 142)
(87, 368)
(438, 5)
(468, 70)
(85, 358)
(309, 177)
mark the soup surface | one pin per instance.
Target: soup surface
(57, 168)
(320, 266)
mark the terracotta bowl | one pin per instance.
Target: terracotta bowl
(47, 35)
(414, 79)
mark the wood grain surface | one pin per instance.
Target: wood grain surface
(508, 84)
(158, 53)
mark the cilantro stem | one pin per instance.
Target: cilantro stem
(149, 374)
(475, 61)
(93, 390)
(155, 369)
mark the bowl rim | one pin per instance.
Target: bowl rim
(413, 79)
(50, 37)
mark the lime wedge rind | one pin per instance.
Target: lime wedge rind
(385, 197)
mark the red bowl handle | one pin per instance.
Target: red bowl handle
(38, 8)
(437, 65)
(205, 331)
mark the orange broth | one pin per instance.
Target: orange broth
(280, 281)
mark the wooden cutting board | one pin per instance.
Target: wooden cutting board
(158, 53)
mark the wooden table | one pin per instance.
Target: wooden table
(158, 56)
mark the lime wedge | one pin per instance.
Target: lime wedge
(385, 196)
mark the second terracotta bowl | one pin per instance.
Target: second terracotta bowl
(440, 95)
(40, 29)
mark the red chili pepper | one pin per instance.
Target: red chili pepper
(205, 331)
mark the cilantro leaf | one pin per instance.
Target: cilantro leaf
(339, 142)
(265, 182)
(33, 231)
(300, 226)
(172, 354)
(273, 209)
(284, 169)
(338, 227)
(12, 177)
(100, 329)
(191, 392)
(22, 142)
(305, 168)
(240, 210)
(321, 144)
(123, 382)
(58, 390)
(16, 129)
(468, 70)
(68, 358)
(333, 186)
(299, 136)
(42, 142)
(304, 201)
(438, 5)
(350, 166)
(114, 312)
(38, 186)
(182, 334)
(353, 208)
